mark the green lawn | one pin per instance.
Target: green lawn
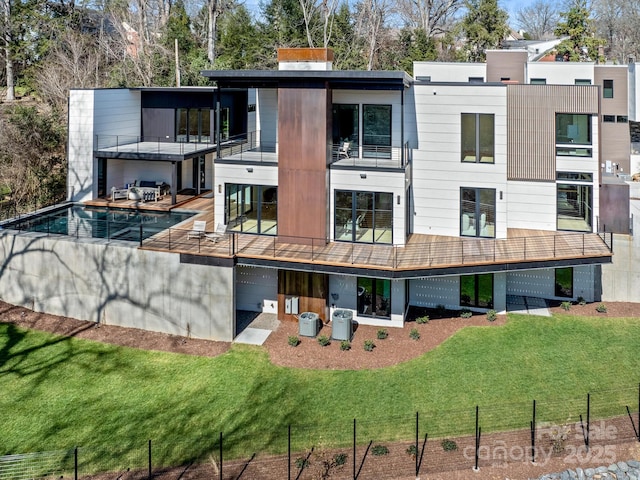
(56, 393)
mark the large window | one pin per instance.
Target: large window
(477, 137)
(363, 216)
(346, 126)
(251, 208)
(193, 125)
(573, 128)
(564, 282)
(477, 212)
(607, 88)
(376, 131)
(574, 202)
(476, 290)
(374, 297)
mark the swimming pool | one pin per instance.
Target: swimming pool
(100, 222)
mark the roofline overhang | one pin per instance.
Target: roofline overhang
(334, 79)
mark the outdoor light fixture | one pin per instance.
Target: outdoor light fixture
(249, 169)
(363, 175)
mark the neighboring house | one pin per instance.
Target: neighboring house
(370, 192)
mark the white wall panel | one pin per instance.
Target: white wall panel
(532, 205)
(560, 73)
(267, 115)
(449, 71)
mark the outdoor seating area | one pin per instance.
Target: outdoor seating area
(199, 231)
(142, 190)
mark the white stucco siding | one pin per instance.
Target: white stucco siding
(438, 172)
(560, 73)
(449, 71)
(531, 205)
(257, 289)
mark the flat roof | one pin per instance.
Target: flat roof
(335, 79)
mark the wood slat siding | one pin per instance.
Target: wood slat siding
(303, 156)
(531, 111)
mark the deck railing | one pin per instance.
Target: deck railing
(413, 256)
(248, 147)
(375, 156)
(146, 144)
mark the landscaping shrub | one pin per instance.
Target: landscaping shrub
(412, 450)
(602, 308)
(369, 345)
(465, 313)
(382, 333)
(423, 319)
(379, 450)
(492, 315)
(448, 445)
(566, 306)
(581, 301)
(340, 459)
(293, 341)
(345, 345)
(323, 340)
(301, 463)
(414, 334)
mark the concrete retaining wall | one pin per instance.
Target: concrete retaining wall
(117, 284)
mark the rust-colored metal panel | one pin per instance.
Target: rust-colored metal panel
(531, 111)
(506, 64)
(303, 155)
(614, 207)
(305, 55)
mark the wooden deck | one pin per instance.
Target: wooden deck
(422, 252)
(164, 205)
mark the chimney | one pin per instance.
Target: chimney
(305, 59)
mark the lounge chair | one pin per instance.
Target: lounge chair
(199, 227)
(219, 234)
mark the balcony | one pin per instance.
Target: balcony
(423, 255)
(248, 148)
(132, 146)
(370, 156)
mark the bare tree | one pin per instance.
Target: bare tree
(315, 10)
(5, 30)
(433, 16)
(618, 21)
(539, 19)
(371, 18)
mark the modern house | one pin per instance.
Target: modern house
(371, 192)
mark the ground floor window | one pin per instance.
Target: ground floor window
(574, 207)
(363, 216)
(374, 297)
(476, 290)
(564, 282)
(251, 208)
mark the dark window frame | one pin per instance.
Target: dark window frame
(365, 300)
(474, 301)
(476, 230)
(559, 289)
(244, 206)
(537, 81)
(607, 88)
(477, 156)
(351, 223)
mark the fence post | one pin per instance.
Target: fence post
(533, 434)
(354, 449)
(417, 443)
(140, 234)
(149, 459)
(75, 463)
(220, 455)
(477, 439)
(289, 454)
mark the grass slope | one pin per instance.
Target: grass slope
(60, 392)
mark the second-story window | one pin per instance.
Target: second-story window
(376, 131)
(193, 125)
(478, 134)
(607, 88)
(538, 81)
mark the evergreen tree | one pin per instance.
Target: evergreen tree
(484, 27)
(238, 42)
(582, 44)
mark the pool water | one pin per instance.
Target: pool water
(101, 222)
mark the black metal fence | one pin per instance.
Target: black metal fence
(577, 430)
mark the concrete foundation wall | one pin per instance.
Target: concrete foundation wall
(117, 284)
